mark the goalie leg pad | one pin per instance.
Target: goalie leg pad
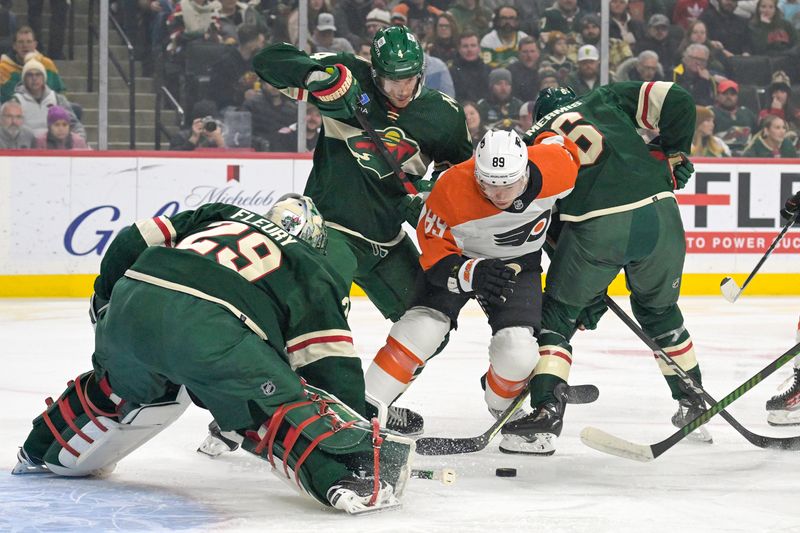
(513, 353)
(412, 340)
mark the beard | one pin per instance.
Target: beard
(506, 27)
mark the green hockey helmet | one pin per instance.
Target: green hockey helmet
(396, 54)
(552, 98)
(300, 218)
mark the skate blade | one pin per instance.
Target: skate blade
(214, 447)
(542, 445)
(375, 509)
(23, 468)
(783, 418)
(701, 435)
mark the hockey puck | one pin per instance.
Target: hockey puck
(506, 472)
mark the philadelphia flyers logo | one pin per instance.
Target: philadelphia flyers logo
(528, 232)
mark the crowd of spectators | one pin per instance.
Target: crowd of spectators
(736, 57)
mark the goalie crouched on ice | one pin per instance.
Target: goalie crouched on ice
(481, 234)
(242, 314)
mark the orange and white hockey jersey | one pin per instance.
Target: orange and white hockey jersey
(458, 219)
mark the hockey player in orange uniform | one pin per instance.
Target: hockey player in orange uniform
(481, 233)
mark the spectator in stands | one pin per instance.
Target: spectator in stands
(14, 134)
(663, 39)
(470, 74)
(286, 139)
(726, 27)
(270, 111)
(587, 75)
(688, 11)
(548, 77)
(644, 67)
(59, 134)
(474, 122)
(315, 9)
(704, 142)
(419, 14)
(525, 119)
(771, 141)
(11, 64)
(58, 24)
(499, 47)
(364, 50)
(770, 33)
(8, 26)
(445, 39)
(779, 101)
(525, 71)
(205, 132)
(555, 55)
(324, 38)
(791, 12)
(564, 16)
(351, 16)
(618, 50)
(471, 16)
(36, 97)
(622, 25)
(377, 19)
(499, 110)
(697, 34)
(193, 19)
(234, 14)
(232, 76)
(693, 75)
(732, 122)
(437, 77)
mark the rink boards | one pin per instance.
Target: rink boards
(61, 210)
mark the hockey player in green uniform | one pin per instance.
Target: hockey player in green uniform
(622, 215)
(363, 203)
(240, 313)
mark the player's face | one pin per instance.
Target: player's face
(400, 92)
(502, 196)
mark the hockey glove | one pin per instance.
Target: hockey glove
(791, 206)
(490, 279)
(412, 205)
(97, 306)
(336, 91)
(590, 316)
(682, 169)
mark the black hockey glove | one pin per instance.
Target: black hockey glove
(97, 306)
(791, 206)
(682, 169)
(336, 91)
(490, 279)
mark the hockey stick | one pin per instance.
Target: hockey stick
(729, 289)
(361, 116)
(446, 475)
(605, 442)
(452, 445)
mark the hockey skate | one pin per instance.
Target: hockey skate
(405, 421)
(534, 434)
(26, 465)
(216, 442)
(783, 409)
(688, 410)
(354, 495)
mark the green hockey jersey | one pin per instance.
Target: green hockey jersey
(277, 285)
(351, 184)
(618, 172)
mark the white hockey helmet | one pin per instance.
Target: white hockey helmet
(501, 159)
(298, 215)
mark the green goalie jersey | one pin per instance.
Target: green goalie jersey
(351, 184)
(618, 172)
(277, 285)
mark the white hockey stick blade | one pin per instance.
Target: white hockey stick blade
(607, 443)
(730, 290)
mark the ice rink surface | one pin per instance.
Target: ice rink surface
(165, 486)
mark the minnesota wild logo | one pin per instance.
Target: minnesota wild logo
(366, 153)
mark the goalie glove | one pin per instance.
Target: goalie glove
(791, 206)
(336, 91)
(97, 306)
(682, 169)
(490, 279)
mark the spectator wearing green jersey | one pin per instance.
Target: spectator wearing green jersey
(771, 141)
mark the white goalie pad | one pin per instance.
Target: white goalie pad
(120, 439)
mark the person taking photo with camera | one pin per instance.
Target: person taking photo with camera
(205, 132)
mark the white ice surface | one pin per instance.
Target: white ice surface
(728, 486)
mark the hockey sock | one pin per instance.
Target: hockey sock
(555, 362)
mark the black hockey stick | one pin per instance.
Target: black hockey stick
(729, 289)
(452, 445)
(602, 441)
(361, 116)
(605, 442)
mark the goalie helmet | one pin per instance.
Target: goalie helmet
(299, 216)
(552, 98)
(396, 54)
(501, 159)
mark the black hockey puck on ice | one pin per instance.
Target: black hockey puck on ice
(506, 472)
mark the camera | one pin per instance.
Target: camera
(209, 124)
